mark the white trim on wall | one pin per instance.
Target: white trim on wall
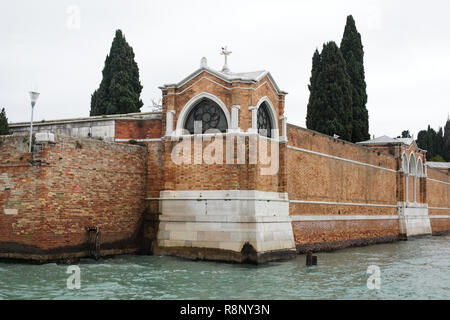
(342, 159)
(439, 181)
(345, 203)
(342, 217)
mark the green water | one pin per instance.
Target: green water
(417, 269)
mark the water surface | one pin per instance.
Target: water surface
(417, 269)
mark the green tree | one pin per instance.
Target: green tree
(353, 53)
(4, 127)
(330, 101)
(405, 134)
(310, 118)
(437, 158)
(433, 142)
(439, 142)
(425, 140)
(120, 88)
(446, 147)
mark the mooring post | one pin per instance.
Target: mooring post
(310, 259)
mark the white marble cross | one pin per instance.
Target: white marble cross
(225, 53)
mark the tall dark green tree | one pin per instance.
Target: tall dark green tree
(433, 142)
(310, 117)
(446, 147)
(406, 134)
(352, 50)
(330, 101)
(120, 88)
(4, 127)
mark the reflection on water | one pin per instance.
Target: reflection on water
(417, 269)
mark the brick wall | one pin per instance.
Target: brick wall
(314, 177)
(223, 176)
(70, 185)
(438, 196)
(244, 95)
(328, 184)
(138, 129)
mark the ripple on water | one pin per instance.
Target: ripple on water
(416, 269)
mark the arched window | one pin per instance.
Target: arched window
(412, 165)
(419, 170)
(209, 113)
(405, 163)
(264, 122)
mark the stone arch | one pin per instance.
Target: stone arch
(419, 169)
(405, 168)
(193, 102)
(272, 114)
(412, 164)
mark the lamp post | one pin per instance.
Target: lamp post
(34, 96)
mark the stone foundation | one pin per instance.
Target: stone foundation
(413, 219)
(232, 225)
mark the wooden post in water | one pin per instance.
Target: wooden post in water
(310, 259)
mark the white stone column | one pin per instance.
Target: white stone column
(235, 118)
(254, 128)
(283, 137)
(169, 122)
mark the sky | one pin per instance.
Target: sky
(59, 47)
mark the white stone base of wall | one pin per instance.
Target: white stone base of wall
(413, 219)
(226, 220)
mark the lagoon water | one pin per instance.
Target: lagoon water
(417, 269)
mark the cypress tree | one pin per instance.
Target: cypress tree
(427, 139)
(352, 50)
(446, 148)
(330, 101)
(439, 142)
(436, 143)
(4, 127)
(310, 118)
(120, 88)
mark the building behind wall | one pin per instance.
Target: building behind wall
(240, 193)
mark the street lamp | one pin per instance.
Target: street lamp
(34, 96)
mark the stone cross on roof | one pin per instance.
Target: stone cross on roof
(225, 53)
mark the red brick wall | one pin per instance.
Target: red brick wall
(79, 183)
(438, 195)
(438, 191)
(322, 235)
(202, 176)
(313, 177)
(138, 129)
(245, 95)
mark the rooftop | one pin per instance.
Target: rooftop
(227, 76)
(438, 165)
(388, 140)
(128, 116)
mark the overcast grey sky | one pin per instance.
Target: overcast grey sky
(407, 51)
